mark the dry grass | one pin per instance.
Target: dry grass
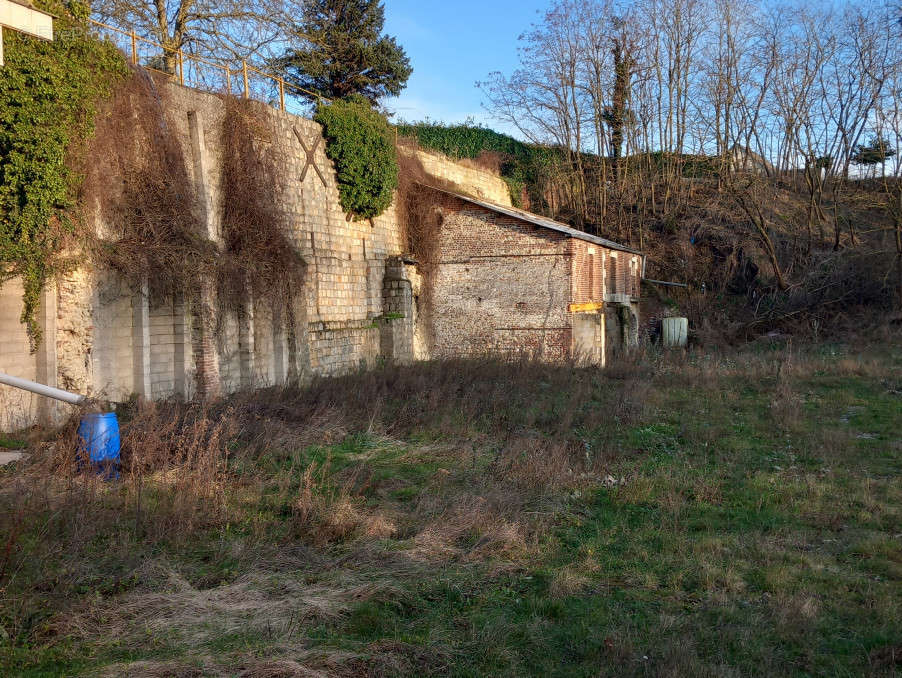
(262, 602)
(412, 520)
(326, 512)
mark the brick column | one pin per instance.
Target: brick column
(203, 340)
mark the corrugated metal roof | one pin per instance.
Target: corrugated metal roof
(536, 220)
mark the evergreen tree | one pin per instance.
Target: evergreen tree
(875, 153)
(343, 52)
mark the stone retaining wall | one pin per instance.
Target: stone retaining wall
(110, 340)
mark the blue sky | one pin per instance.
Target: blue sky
(451, 45)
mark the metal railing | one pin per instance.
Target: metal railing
(191, 70)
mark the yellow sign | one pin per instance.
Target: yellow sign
(585, 308)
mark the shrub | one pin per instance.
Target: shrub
(359, 141)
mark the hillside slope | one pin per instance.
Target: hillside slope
(759, 254)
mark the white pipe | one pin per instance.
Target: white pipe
(40, 389)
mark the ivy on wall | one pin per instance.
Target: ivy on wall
(48, 92)
(361, 144)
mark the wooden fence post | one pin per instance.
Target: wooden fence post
(282, 93)
(134, 49)
(247, 93)
(181, 68)
(228, 79)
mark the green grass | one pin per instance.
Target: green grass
(758, 531)
(8, 443)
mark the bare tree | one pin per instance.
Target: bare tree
(226, 29)
(545, 98)
(774, 96)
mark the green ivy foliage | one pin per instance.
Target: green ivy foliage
(48, 92)
(361, 144)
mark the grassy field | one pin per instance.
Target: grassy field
(700, 515)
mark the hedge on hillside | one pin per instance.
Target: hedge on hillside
(523, 166)
(361, 144)
(526, 164)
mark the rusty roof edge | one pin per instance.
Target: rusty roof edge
(537, 220)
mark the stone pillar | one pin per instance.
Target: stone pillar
(246, 342)
(396, 323)
(46, 353)
(297, 341)
(632, 315)
(181, 337)
(141, 340)
(199, 158)
(203, 311)
(279, 349)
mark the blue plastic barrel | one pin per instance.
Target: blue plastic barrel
(99, 441)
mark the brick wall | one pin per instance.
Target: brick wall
(499, 285)
(588, 271)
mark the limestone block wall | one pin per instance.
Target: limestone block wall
(467, 180)
(17, 408)
(358, 305)
(162, 318)
(397, 323)
(111, 366)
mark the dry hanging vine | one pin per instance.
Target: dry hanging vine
(142, 191)
(260, 258)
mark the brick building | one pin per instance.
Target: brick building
(505, 280)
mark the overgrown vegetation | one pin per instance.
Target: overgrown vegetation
(48, 95)
(706, 514)
(153, 231)
(360, 142)
(693, 161)
(259, 257)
